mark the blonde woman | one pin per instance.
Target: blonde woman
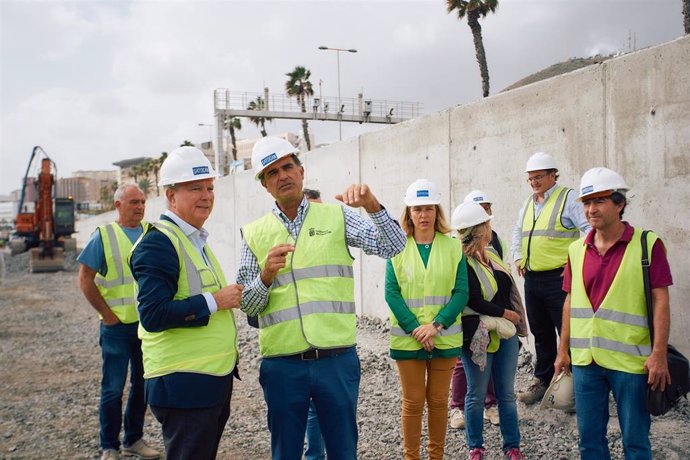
(489, 350)
(426, 290)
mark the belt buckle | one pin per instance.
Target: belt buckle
(316, 355)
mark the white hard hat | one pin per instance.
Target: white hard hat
(539, 161)
(560, 394)
(477, 196)
(601, 182)
(185, 164)
(468, 214)
(268, 150)
(422, 192)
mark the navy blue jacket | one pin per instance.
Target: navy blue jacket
(155, 267)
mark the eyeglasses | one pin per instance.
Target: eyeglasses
(537, 178)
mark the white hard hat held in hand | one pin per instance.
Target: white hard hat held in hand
(560, 394)
(268, 150)
(467, 215)
(601, 182)
(540, 161)
(185, 164)
(422, 192)
(477, 196)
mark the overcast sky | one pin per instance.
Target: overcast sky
(95, 82)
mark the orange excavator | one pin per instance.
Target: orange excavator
(45, 230)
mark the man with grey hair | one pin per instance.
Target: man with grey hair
(107, 283)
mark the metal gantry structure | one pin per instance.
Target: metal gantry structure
(228, 104)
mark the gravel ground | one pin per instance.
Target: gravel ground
(50, 373)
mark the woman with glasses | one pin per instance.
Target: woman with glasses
(493, 315)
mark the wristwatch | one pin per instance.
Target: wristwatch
(438, 326)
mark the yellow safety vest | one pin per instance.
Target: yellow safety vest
(311, 301)
(117, 287)
(489, 288)
(545, 240)
(426, 290)
(208, 350)
(617, 335)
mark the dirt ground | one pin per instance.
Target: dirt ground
(50, 372)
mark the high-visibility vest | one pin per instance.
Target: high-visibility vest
(211, 349)
(311, 302)
(426, 290)
(545, 240)
(617, 335)
(117, 287)
(489, 288)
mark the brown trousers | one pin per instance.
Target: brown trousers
(425, 381)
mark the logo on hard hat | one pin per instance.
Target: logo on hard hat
(422, 193)
(478, 198)
(269, 159)
(197, 170)
(588, 189)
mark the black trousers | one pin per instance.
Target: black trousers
(544, 297)
(193, 434)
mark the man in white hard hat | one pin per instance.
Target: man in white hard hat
(297, 272)
(550, 219)
(189, 338)
(605, 327)
(106, 281)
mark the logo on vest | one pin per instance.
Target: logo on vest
(199, 170)
(315, 232)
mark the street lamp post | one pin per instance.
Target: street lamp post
(337, 51)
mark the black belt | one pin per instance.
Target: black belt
(316, 353)
(555, 271)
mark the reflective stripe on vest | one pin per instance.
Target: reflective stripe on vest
(545, 240)
(117, 287)
(489, 288)
(210, 349)
(426, 299)
(617, 335)
(311, 301)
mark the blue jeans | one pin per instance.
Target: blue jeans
(544, 297)
(332, 383)
(502, 366)
(316, 447)
(121, 349)
(592, 386)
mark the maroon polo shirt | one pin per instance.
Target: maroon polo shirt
(599, 271)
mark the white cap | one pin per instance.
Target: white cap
(560, 394)
(268, 150)
(185, 164)
(539, 161)
(422, 192)
(468, 214)
(477, 196)
(601, 182)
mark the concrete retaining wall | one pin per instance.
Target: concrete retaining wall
(631, 114)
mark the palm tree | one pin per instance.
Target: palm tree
(186, 143)
(260, 122)
(135, 172)
(686, 16)
(299, 86)
(473, 9)
(146, 169)
(232, 124)
(156, 167)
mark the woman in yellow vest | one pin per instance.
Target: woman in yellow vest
(426, 290)
(493, 316)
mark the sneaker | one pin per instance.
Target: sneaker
(457, 419)
(533, 393)
(514, 454)
(476, 454)
(110, 454)
(491, 414)
(141, 450)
